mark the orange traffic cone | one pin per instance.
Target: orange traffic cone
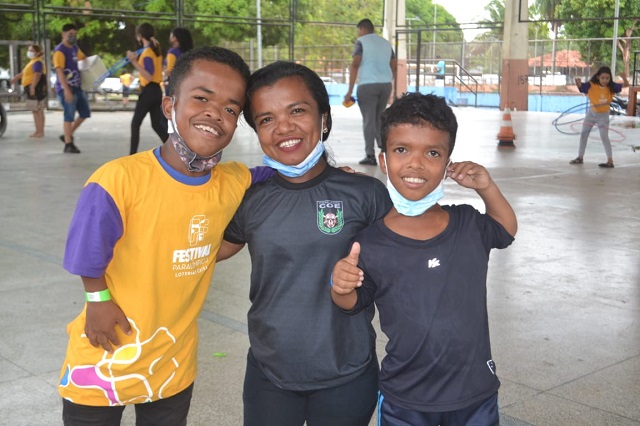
(506, 135)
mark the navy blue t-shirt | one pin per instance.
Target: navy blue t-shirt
(431, 297)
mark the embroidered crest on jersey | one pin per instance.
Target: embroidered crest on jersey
(330, 216)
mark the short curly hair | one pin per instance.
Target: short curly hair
(418, 109)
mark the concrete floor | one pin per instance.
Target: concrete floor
(564, 298)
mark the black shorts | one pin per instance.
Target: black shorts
(481, 413)
(170, 411)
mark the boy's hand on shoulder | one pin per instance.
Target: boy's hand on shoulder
(469, 175)
(346, 275)
(101, 321)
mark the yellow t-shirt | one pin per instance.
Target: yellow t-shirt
(159, 275)
(125, 79)
(600, 98)
(27, 72)
(157, 66)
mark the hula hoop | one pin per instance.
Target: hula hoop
(572, 124)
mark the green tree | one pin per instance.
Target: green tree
(594, 19)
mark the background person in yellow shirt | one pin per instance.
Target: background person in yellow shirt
(181, 41)
(68, 86)
(34, 82)
(125, 79)
(600, 90)
(149, 65)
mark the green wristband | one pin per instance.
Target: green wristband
(98, 296)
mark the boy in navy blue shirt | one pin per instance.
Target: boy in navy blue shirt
(425, 267)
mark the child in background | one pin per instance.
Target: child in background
(144, 239)
(600, 90)
(125, 79)
(425, 267)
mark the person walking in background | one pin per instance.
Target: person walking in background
(34, 81)
(600, 90)
(181, 42)
(68, 86)
(440, 69)
(149, 65)
(126, 79)
(425, 266)
(374, 66)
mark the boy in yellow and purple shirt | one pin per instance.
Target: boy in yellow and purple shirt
(144, 239)
(68, 85)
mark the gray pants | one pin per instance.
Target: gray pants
(372, 100)
(601, 119)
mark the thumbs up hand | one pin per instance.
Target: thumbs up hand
(346, 275)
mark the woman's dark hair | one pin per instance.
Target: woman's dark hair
(37, 49)
(604, 70)
(148, 33)
(420, 110)
(206, 53)
(272, 73)
(184, 38)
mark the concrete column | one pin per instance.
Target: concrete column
(394, 11)
(514, 89)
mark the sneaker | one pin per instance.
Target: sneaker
(369, 160)
(70, 148)
(62, 139)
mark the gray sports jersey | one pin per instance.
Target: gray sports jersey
(296, 233)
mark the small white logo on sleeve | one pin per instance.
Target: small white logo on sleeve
(492, 366)
(434, 263)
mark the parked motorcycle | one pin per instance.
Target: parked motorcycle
(618, 106)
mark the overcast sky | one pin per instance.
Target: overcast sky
(466, 11)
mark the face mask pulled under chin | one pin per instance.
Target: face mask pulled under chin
(194, 162)
(306, 164)
(414, 208)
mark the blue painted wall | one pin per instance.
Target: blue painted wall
(542, 102)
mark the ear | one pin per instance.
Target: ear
(383, 164)
(167, 107)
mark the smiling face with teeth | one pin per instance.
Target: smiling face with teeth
(417, 155)
(207, 106)
(288, 122)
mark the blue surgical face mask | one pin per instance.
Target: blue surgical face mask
(194, 162)
(302, 168)
(414, 208)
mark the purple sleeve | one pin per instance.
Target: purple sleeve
(357, 49)
(148, 65)
(261, 174)
(37, 66)
(617, 87)
(95, 228)
(584, 88)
